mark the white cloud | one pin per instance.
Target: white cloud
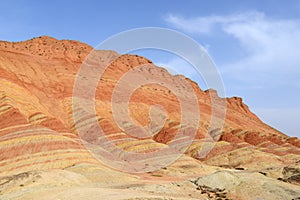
(205, 25)
(272, 46)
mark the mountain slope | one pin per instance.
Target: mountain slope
(38, 130)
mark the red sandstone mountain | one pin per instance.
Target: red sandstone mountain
(38, 132)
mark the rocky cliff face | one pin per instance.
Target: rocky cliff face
(39, 139)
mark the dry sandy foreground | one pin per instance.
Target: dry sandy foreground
(197, 181)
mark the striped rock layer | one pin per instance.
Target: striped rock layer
(40, 125)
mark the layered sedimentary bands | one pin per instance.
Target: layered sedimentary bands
(43, 157)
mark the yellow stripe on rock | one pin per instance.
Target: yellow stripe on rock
(32, 139)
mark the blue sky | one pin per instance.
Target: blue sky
(255, 44)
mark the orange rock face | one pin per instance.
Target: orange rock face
(38, 130)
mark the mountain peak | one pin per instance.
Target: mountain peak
(49, 47)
